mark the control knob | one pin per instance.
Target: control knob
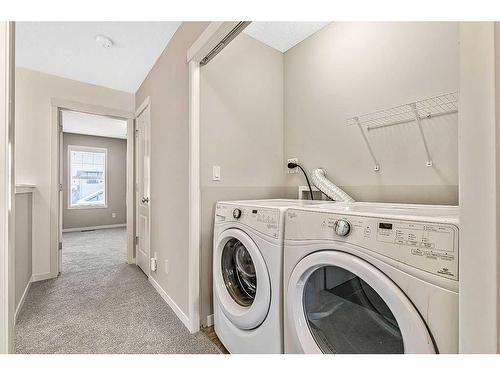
(236, 213)
(342, 227)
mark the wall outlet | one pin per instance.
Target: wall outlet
(216, 173)
(292, 170)
(113, 215)
(166, 266)
(153, 264)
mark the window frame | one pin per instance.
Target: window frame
(88, 149)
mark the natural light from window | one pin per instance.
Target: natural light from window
(87, 182)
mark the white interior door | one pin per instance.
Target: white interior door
(143, 142)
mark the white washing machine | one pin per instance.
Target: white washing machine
(247, 274)
(371, 278)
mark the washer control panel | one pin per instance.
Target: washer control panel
(432, 247)
(263, 220)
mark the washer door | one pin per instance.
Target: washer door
(241, 279)
(340, 303)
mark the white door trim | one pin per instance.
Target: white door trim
(194, 198)
(7, 209)
(209, 39)
(55, 220)
(130, 191)
(142, 107)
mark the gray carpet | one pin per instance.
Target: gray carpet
(100, 304)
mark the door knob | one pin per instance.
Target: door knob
(145, 200)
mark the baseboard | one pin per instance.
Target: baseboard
(177, 310)
(94, 227)
(210, 320)
(42, 276)
(23, 298)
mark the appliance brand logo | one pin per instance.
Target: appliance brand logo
(445, 271)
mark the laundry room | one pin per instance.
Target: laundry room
(336, 96)
(279, 186)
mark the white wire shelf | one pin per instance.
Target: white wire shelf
(415, 112)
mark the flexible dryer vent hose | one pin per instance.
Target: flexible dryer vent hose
(332, 191)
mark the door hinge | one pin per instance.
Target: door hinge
(60, 128)
(60, 245)
(60, 187)
(137, 240)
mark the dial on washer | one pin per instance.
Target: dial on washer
(342, 227)
(236, 213)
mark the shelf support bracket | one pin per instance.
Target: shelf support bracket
(422, 135)
(376, 167)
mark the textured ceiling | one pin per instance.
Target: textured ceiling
(68, 49)
(282, 35)
(84, 123)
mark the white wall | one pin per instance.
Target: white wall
(34, 92)
(479, 144)
(348, 69)
(241, 125)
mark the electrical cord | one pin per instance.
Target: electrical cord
(295, 165)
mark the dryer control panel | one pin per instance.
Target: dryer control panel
(263, 220)
(432, 247)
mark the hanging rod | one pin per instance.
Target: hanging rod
(427, 117)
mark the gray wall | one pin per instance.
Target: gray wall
(116, 183)
(23, 256)
(167, 85)
(242, 132)
(348, 69)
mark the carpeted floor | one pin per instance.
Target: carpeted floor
(100, 304)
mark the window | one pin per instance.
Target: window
(87, 177)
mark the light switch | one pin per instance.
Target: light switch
(216, 173)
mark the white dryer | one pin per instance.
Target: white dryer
(371, 278)
(247, 274)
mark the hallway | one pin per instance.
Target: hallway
(100, 304)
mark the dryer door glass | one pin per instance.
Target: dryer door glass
(238, 272)
(345, 315)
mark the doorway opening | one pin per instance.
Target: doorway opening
(95, 168)
(93, 188)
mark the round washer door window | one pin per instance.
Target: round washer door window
(241, 279)
(238, 272)
(342, 304)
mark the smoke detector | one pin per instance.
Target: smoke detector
(104, 41)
